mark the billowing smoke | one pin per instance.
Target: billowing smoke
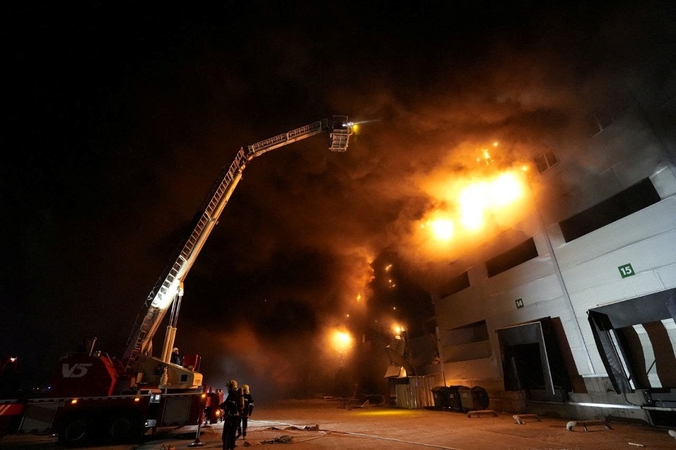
(299, 248)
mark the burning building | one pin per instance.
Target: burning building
(570, 310)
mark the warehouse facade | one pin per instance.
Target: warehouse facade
(570, 311)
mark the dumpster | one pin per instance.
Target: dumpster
(473, 398)
(447, 397)
(454, 400)
(441, 397)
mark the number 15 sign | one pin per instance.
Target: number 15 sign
(626, 270)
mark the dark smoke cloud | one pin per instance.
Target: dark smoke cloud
(124, 119)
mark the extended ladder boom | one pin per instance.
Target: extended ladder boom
(170, 283)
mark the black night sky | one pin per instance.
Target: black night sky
(118, 116)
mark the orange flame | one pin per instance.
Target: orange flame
(475, 200)
(341, 340)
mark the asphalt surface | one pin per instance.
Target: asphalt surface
(331, 424)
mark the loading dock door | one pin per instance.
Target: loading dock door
(525, 362)
(607, 322)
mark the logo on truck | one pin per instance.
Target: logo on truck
(78, 370)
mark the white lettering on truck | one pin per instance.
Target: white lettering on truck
(78, 370)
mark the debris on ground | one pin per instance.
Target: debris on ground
(305, 428)
(285, 439)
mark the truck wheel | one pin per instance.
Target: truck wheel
(75, 432)
(123, 427)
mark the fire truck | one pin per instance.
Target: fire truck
(96, 397)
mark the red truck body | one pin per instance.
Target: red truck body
(90, 400)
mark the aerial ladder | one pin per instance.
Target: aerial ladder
(169, 289)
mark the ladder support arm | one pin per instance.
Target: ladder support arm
(167, 289)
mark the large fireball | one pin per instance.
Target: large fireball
(469, 203)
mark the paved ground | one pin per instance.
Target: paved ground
(326, 424)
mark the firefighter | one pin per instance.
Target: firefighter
(176, 356)
(233, 409)
(221, 398)
(248, 407)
